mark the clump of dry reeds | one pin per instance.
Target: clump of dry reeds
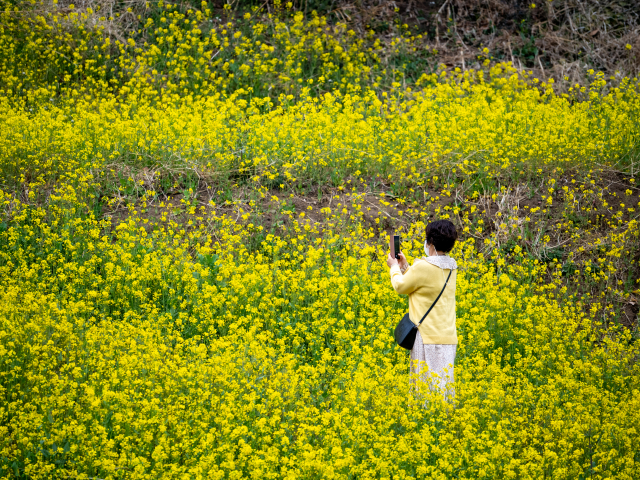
(557, 38)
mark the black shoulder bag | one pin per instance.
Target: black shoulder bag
(406, 330)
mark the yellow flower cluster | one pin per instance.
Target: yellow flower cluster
(145, 352)
(465, 125)
(234, 334)
(177, 52)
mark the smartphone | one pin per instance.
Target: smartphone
(394, 245)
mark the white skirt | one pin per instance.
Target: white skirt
(433, 365)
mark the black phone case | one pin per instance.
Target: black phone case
(396, 245)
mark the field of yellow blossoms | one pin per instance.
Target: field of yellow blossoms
(194, 214)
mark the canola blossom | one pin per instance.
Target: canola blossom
(158, 355)
(471, 128)
(168, 311)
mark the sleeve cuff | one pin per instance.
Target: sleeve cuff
(394, 269)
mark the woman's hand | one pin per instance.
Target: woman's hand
(402, 262)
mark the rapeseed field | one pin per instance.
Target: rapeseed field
(193, 234)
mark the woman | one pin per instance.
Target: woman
(436, 340)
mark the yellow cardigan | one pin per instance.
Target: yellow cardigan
(423, 282)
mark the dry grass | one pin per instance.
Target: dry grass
(562, 39)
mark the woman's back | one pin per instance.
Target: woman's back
(423, 282)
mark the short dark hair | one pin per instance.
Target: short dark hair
(442, 234)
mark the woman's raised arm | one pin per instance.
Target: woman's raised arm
(404, 284)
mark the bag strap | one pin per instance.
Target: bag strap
(436, 301)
